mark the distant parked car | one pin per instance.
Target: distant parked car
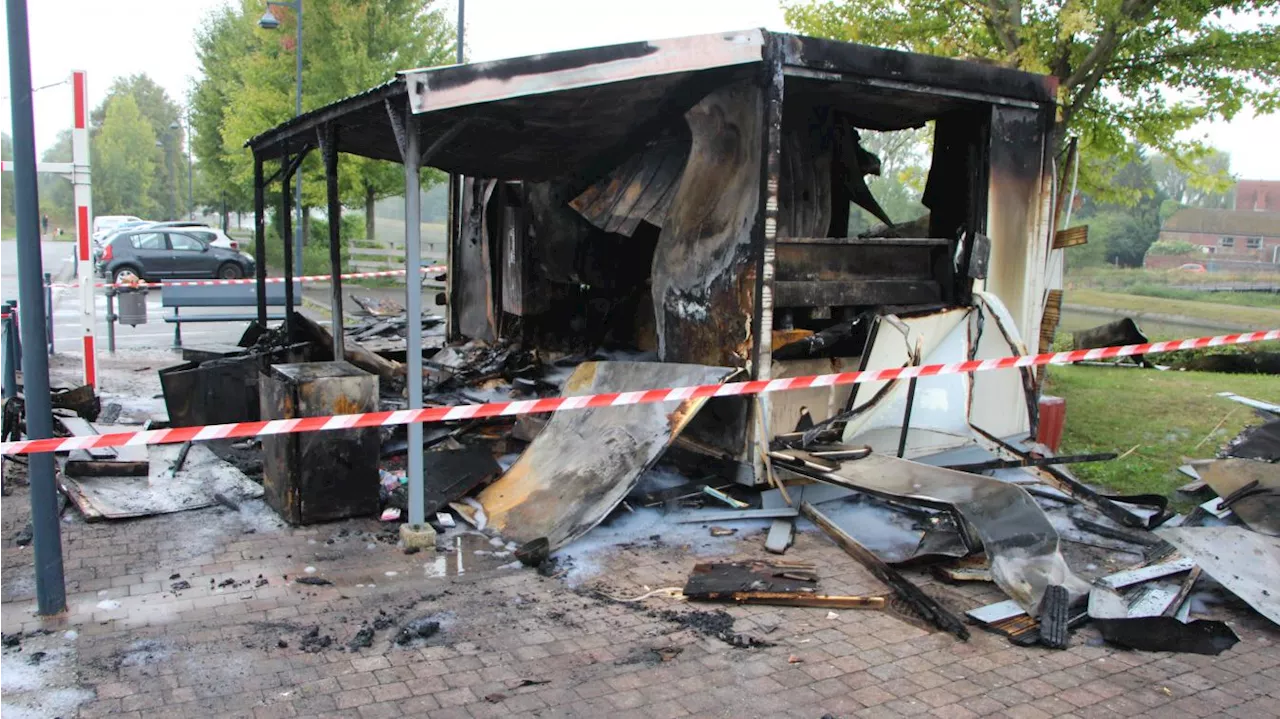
(201, 231)
(104, 225)
(1192, 267)
(213, 236)
(161, 254)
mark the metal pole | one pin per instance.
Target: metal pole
(48, 309)
(299, 240)
(111, 320)
(462, 12)
(191, 205)
(9, 387)
(413, 309)
(329, 148)
(260, 239)
(287, 231)
(51, 591)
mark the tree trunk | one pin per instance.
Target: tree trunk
(306, 225)
(369, 217)
(226, 215)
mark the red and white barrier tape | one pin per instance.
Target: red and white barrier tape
(252, 280)
(611, 399)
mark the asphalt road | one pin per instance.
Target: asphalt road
(56, 260)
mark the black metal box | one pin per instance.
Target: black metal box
(319, 476)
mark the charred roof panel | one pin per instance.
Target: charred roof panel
(573, 112)
(441, 88)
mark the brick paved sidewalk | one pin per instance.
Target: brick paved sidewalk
(513, 642)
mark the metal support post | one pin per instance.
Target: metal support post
(48, 309)
(329, 149)
(80, 159)
(260, 240)
(51, 591)
(10, 349)
(17, 333)
(413, 309)
(286, 225)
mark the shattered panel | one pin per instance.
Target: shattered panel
(585, 461)
(640, 189)
(474, 297)
(1245, 562)
(704, 280)
(1016, 534)
(938, 417)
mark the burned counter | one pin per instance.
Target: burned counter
(319, 476)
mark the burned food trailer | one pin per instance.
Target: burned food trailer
(691, 199)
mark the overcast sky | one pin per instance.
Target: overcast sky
(110, 38)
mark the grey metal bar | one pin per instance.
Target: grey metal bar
(413, 309)
(260, 238)
(9, 388)
(48, 309)
(286, 227)
(111, 320)
(329, 148)
(51, 591)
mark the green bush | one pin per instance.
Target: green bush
(1172, 248)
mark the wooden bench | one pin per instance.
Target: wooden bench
(229, 296)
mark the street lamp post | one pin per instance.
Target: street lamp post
(269, 22)
(191, 206)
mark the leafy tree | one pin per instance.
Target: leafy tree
(169, 191)
(1127, 229)
(57, 197)
(904, 167)
(124, 160)
(1129, 71)
(349, 46)
(220, 41)
(1205, 182)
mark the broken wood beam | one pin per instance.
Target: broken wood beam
(354, 353)
(926, 606)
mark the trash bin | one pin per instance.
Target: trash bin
(133, 306)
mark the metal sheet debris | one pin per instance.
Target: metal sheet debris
(585, 462)
(1019, 539)
(1249, 488)
(1129, 577)
(1246, 563)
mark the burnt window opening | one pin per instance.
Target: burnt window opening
(880, 195)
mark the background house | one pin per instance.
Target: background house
(1258, 195)
(1240, 239)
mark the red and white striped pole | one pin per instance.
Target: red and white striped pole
(84, 219)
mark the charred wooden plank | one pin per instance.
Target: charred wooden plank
(835, 293)
(927, 606)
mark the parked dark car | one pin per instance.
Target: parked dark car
(164, 254)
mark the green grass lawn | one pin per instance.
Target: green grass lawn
(1216, 311)
(1166, 415)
